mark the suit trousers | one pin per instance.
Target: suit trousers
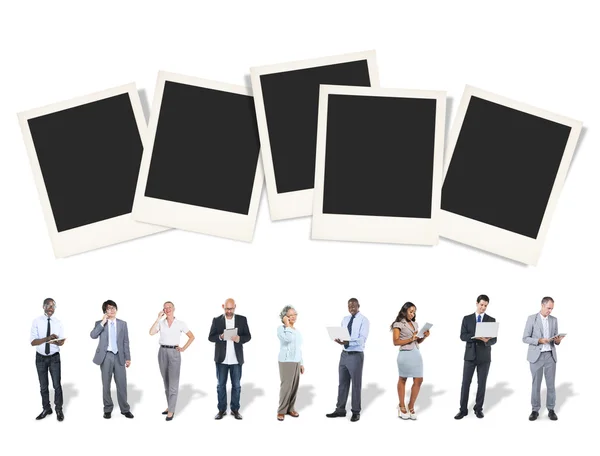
(545, 366)
(169, 364)
(236, 389)
(482, 373)
(350, 371)
(109, 367)
(289, 374)
(51, 363)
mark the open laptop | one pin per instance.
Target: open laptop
(486, 329)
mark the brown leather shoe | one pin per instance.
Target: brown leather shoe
(293, 413)
(280, 417)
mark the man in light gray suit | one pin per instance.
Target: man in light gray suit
(541, 333)
(112, 355)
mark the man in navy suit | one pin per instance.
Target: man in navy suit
(112, 355)
(478, 355)
(229, 356)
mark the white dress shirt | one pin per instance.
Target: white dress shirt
(546, 328)
(477, 315)
(230, 357)
(39, 328)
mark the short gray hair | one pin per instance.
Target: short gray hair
(284, 311)
(546, 300)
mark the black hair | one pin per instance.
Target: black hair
(402, 315)
(110, 302)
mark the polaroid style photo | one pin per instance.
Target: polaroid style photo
(507, 166)
(287, 104)
(85, 156)
(379, 165)
(201, 171)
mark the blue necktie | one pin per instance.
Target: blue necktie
(113, 337)
(479, 318)
(346, 345)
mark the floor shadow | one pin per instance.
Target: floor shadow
(186, 394)
(426, 395)
(564, 391)
(305, 396)
(134, 395)
(369, 394)
(249, 393)
(495, 394)
(69, 392)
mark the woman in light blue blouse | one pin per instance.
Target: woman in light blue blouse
(290, 362)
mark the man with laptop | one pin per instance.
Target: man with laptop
(479, 331)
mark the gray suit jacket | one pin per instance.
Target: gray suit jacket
(101, 332)
(535, 331)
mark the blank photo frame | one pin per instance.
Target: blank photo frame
(202, 170)
(287, 102)
(85, 156)
(379, 165)
(507, 166)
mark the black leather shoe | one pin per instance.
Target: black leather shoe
(60, 415)
(552, 415)
(220, 415)
(459, 416)
(166, 412)
(44, 414)
(355, 417)
(127, 414)
(236, 414)
(533, 416)
(169, 418)
(479, 413)
(336, 414)
(107, 415)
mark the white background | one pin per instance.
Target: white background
(536, 52)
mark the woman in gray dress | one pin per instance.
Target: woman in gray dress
(410, 363)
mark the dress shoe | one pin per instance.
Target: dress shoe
(107, 415)
(280, 417)
(355, 417)
(293, 413)
(479, 413)
(166, 412)
(60, 415)
(44, 414)
(127, 414)
(220, 415)
(459, 416)
(336, 414)
(169, 418)
(552, 415)
(533, 416)
(236, 414)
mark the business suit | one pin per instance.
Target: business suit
(478, 356)
(542, 364)
(223, 369)
(112, 364)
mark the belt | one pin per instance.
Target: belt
(353, 352)
(169, 346)
(47, 356)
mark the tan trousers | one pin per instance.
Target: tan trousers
(289, 373)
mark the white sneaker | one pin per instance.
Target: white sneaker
(402, 415)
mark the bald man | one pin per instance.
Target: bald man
(229, 356)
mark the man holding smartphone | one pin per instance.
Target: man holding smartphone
(112, 355)
(47, 336)
(541, 333)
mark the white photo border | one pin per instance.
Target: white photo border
(98, 234)
(396, 230)
(488, 237)
(186, 216)
(299, 203)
